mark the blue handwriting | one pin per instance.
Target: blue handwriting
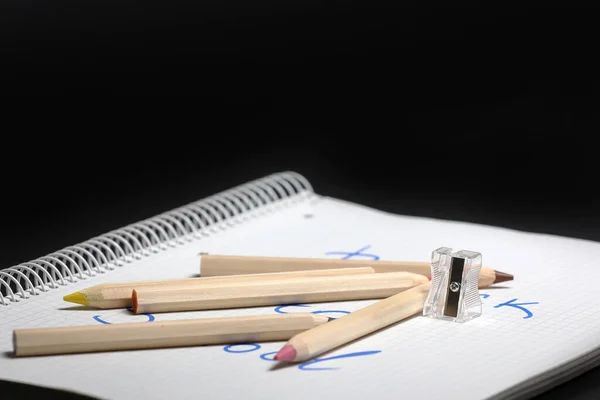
(518, 306)
(510, 303)
(250, 347)
(279, 309)
(357, 253)
(253, 347)
(98, 319)
(305, 366)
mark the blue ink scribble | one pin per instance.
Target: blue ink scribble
(229, 348)
(356, 253)
(279, 309)
(99, 319)
(484, 295)
(266, 356)
(330, 312)
(519, 306)
(305, 366)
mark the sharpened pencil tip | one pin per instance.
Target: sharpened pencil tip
(77, 298)
(287, 353)
(503, 277)
(134, 301)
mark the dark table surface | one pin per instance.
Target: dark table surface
(464, 112)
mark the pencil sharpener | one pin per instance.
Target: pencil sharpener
(454, 293)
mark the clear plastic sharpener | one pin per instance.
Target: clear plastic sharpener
(454, 293)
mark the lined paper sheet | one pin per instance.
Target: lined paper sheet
(545, 318)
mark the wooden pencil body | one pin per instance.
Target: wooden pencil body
(219, 265)
(321, 339)
(118, 295)
(290, 291)
(148, 335)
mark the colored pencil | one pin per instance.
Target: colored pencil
(313, 342)
(161, 334)
(219, 265)
(118, 295)
(289, 291)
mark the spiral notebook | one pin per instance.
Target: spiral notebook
(535, 331)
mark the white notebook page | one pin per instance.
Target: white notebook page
(546, 317)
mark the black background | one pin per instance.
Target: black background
(116, 111)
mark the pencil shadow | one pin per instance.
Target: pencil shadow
(77, 308)
(497, 287)
(284, 365)
(8, 354)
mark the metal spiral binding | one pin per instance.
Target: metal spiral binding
(142, 239)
